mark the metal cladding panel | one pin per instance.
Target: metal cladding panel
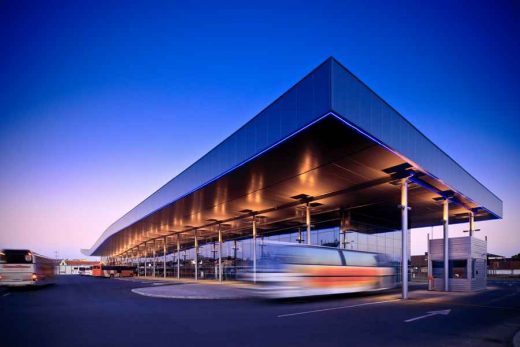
(305, 102)
(359, 105)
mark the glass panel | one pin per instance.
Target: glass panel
(285, 254)
(360, 259)
(458, 268)
(437, 269)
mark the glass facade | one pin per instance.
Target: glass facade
(237, 254)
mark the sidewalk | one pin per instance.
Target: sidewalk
(192, 290)
(185, 288)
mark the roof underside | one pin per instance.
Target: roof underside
(329, 140)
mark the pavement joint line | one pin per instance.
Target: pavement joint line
(464, 305)
(336, 308)
(502, 297)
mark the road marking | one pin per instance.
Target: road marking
(502, 297)
(336, 308)
(6, 294)
(430, 314)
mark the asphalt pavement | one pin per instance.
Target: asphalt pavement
(87, 311)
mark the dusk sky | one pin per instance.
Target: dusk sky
(101, 103)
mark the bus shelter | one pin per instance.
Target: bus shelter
(329, 157)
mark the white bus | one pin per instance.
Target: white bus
(21, 267)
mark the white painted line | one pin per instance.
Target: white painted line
(431, 313)
(337, 308)
(502, 297)
(6, 294)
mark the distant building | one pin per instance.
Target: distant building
(72, 267)
(502, 266)
(419, 267)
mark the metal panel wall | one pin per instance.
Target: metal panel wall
(359, 105)
(330, 87)
(302, 104)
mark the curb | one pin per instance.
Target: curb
(140, 291)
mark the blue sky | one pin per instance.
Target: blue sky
(103, 102)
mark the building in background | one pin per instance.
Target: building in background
(499, 266)
(72, 267)
(419, 267)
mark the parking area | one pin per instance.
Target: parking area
(86, 311)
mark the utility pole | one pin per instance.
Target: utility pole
(57, 265)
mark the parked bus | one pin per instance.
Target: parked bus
(21, 267)
(293, 270)
(111, 271)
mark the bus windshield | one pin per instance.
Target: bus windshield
(9, 256)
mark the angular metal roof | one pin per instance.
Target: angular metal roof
(329, 101)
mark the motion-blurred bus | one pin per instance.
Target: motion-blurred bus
(293, 270)
(111, 271)
(21, 267)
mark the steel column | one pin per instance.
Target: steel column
(308, 222)
(404, 237)
(344, 227)
(145, 258)
(445, 222)
(254, 249)
(220, 253)
(154, 259)
(178, 256)
(196, 257)
(430, 274)
(138, 261)
(471, 223)
(164, 258)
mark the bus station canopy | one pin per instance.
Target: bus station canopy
(329, 143)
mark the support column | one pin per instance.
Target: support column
(254, 249)
(308, 222)
(145, 257)
(196, 257)
(178, 256)
(404, 237)
(429, 260)
(471, 223)
(220, 253)
(154, 258)
(164, 258)
(445, 222)
(344, 228)
(138, 261)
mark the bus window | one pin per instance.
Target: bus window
(16, 257)
(301, 255)
(360, 258)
